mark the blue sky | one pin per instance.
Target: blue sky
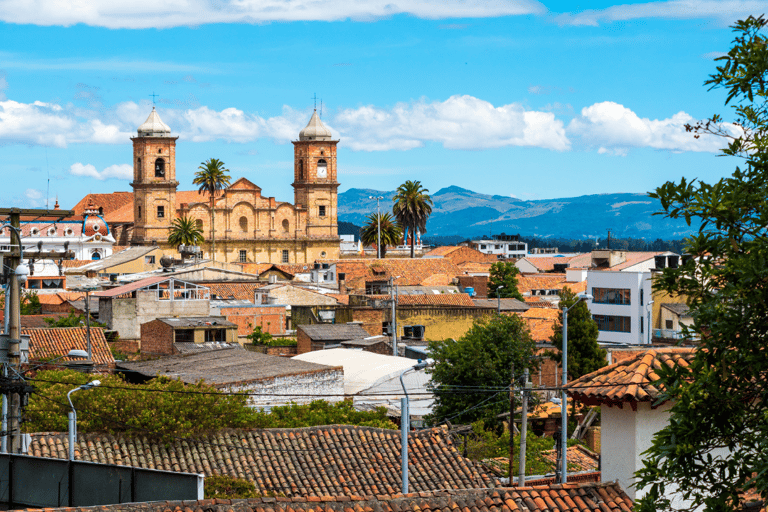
(529, 99)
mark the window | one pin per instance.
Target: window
(184, 336)
(159, 168)
(161, 212)
(44, 284)
(138, 165)
(286, 225)
(641, 296)
(619, 296)
(286, 256)
(301, 169)
(641, 324)
(243, 256)
(215, 335)
(139, 211)
(243, 224)
(482, 246)
(199, 223)
(613, 323)
(321, 210)
(149, 260)
(669, 324)
(96, 255)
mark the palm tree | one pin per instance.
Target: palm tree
(391, 232)
(412, 207)
(212, 177)
(184, 231)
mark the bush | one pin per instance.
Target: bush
(259, 337)
(229, 487)
(485, 444)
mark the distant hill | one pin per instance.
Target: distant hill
(467, 214)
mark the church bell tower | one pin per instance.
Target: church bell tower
(154, 181)
(314, 173)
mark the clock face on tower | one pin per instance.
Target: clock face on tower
(322, 169)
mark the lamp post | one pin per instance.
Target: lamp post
(405, 422)
(650, 309)
(563, 397)
(498, 300)
(73, 416)
(378, 228)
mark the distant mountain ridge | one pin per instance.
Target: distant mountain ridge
(462, 212)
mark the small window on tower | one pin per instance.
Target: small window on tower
(321, 210)
(322, 168)
(159, 168)
(139, 211)
(243, 256)
(243, 224)
(160, 150)
(286, 225)
(286, 256)
(301, 169)
(161, 212)
(138, 164)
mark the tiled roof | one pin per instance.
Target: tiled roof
(537, 302)
(541, 329)
(412, 272)
(572, 497)
(677, 308)
(55, 299)
(237, 291)
(547, 263)
(77, 263)
(633, 258)
(474, 267)
(37, 321)
(580, 459)
(131, 287)
(109, 202)
(630, 381)
(343, 299)
(543, 313)
(440, 299)
(121, 215)
(528, 282)
(260, 268)
(506, 304)
(223, 367)
(333, 332)
(441, 251)
(331, 460)
(45, 343)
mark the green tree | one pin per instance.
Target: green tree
(584, 353)
(503, 281)
(212, 177)
(184, 231)
(719, 399)
(471, 375)
(259, 336)
(412, 208)
(71, 320)
(30, 304)
(391, 232)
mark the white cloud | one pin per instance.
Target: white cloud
(614, 128)
(34, 197)
(174, 13)
(460, 122)
(3, 85)
(723, 11)
(118, 171)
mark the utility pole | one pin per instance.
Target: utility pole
(14, 330)
(523, 431)
(511, 423)
(393, 323)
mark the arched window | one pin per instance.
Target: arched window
(101, 210)
(322, 168)
(286, 225)
(199, 223)
(243, 224)
(159, 168)
(301, 169)
(138, 165)
(96, 255)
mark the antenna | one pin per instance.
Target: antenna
(609, 239)
(48, 188)
(321, 108)
(314, 97)
(153, 97)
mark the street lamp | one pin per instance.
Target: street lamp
(498, 300)
(563, 397)
(405, 421)
(378, 228)
(73, 416)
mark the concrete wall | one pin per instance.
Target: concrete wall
(126, 315)
(306, 386)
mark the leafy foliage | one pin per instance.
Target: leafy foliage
(71, 320)
(471, 376)
(229, 487)
(719, 401)
(212, 177)
(503, 281)
(486, 444)
(30, 304)
(584, 353)
(167, 409)
(391, 231)
(184, 231)
(412, 208)
(259, 336)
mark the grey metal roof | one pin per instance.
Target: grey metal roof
(222, 367)
(334, 332)
(198, 321)
(677, 308)
(365, 342)
(506, 304)
(193, 348)
(112, 260)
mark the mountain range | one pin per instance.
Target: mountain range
(460, 212)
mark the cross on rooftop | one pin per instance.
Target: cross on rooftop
(154, 96)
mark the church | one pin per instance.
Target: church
(249, 227)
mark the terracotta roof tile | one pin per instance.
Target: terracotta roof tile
(473, 267)
(547, 263)
(541, 329)
(412, 272)
(583, 497)
(238, 291)
(48, 342)
(56, 299)
(318, 461)
(542, 313)
(39, 321)
(109, 202)
(631, 380)
(441, 299)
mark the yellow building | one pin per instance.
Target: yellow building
(249, 227)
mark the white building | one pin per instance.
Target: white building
(621, 285)
(88, 238)
(502, 246)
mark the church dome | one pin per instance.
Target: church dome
(315, 130)
(154, 126)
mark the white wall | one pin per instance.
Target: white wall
(306, 386)
(635, 310)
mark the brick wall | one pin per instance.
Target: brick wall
(550, 373)
(156, 338)
(270, 319)
(593, 439)
(304, 344)
(126, 346)
(479, 283)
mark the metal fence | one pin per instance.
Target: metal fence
(38, 482)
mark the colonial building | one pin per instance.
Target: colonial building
(249, 227)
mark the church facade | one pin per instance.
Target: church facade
(248, 226)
